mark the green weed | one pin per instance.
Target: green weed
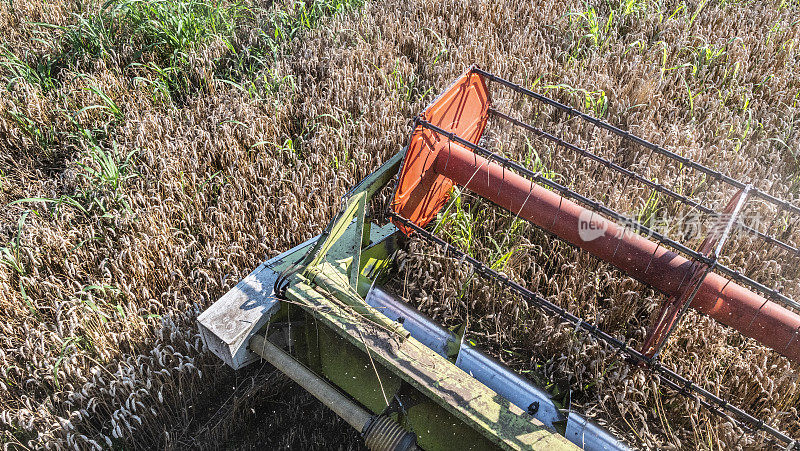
(163, 81)
(405, 88)
(442, 49)
(274, 83)
(629, 7)
(151, 36)
(214, 184)
(39, 72)
(697, 12)
(680, 8)
(108, 170)
(44, 137)
(249, 67)
(500, 253)
(751, 125)
(699, 60)
(705, 56)
(593, 101)
(648, 214)
(69, 346)
(164, 27)
(10, 255)
(457, 222)
(56, 203)
(690, 95)
(289, 145)
(106, 173)
(340, 124)
(592, 28)
(96, 296)
(533, 162)
(108, 103)
(304, 15)
(94, 36)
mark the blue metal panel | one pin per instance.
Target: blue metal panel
(421, 327)
(590, 436)
(508, 384)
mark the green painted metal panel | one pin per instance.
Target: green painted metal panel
(438, 430)
(351, 369)
(437, 378)
(367, 355)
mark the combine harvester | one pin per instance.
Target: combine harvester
(319, 313)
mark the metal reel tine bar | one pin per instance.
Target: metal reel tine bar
(664, 374)
(689, 277)
(629, 136)
(773, 294)
(600, 208)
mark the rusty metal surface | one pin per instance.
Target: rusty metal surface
(718, 297)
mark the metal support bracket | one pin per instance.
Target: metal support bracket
(673, 309)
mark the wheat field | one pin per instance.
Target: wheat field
(155, 152)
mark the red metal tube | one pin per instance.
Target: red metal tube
(729, 303)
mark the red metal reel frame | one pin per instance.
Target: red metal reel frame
(673, 308)
(434, 165)
(462, 109)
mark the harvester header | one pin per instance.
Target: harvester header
(321, 314)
